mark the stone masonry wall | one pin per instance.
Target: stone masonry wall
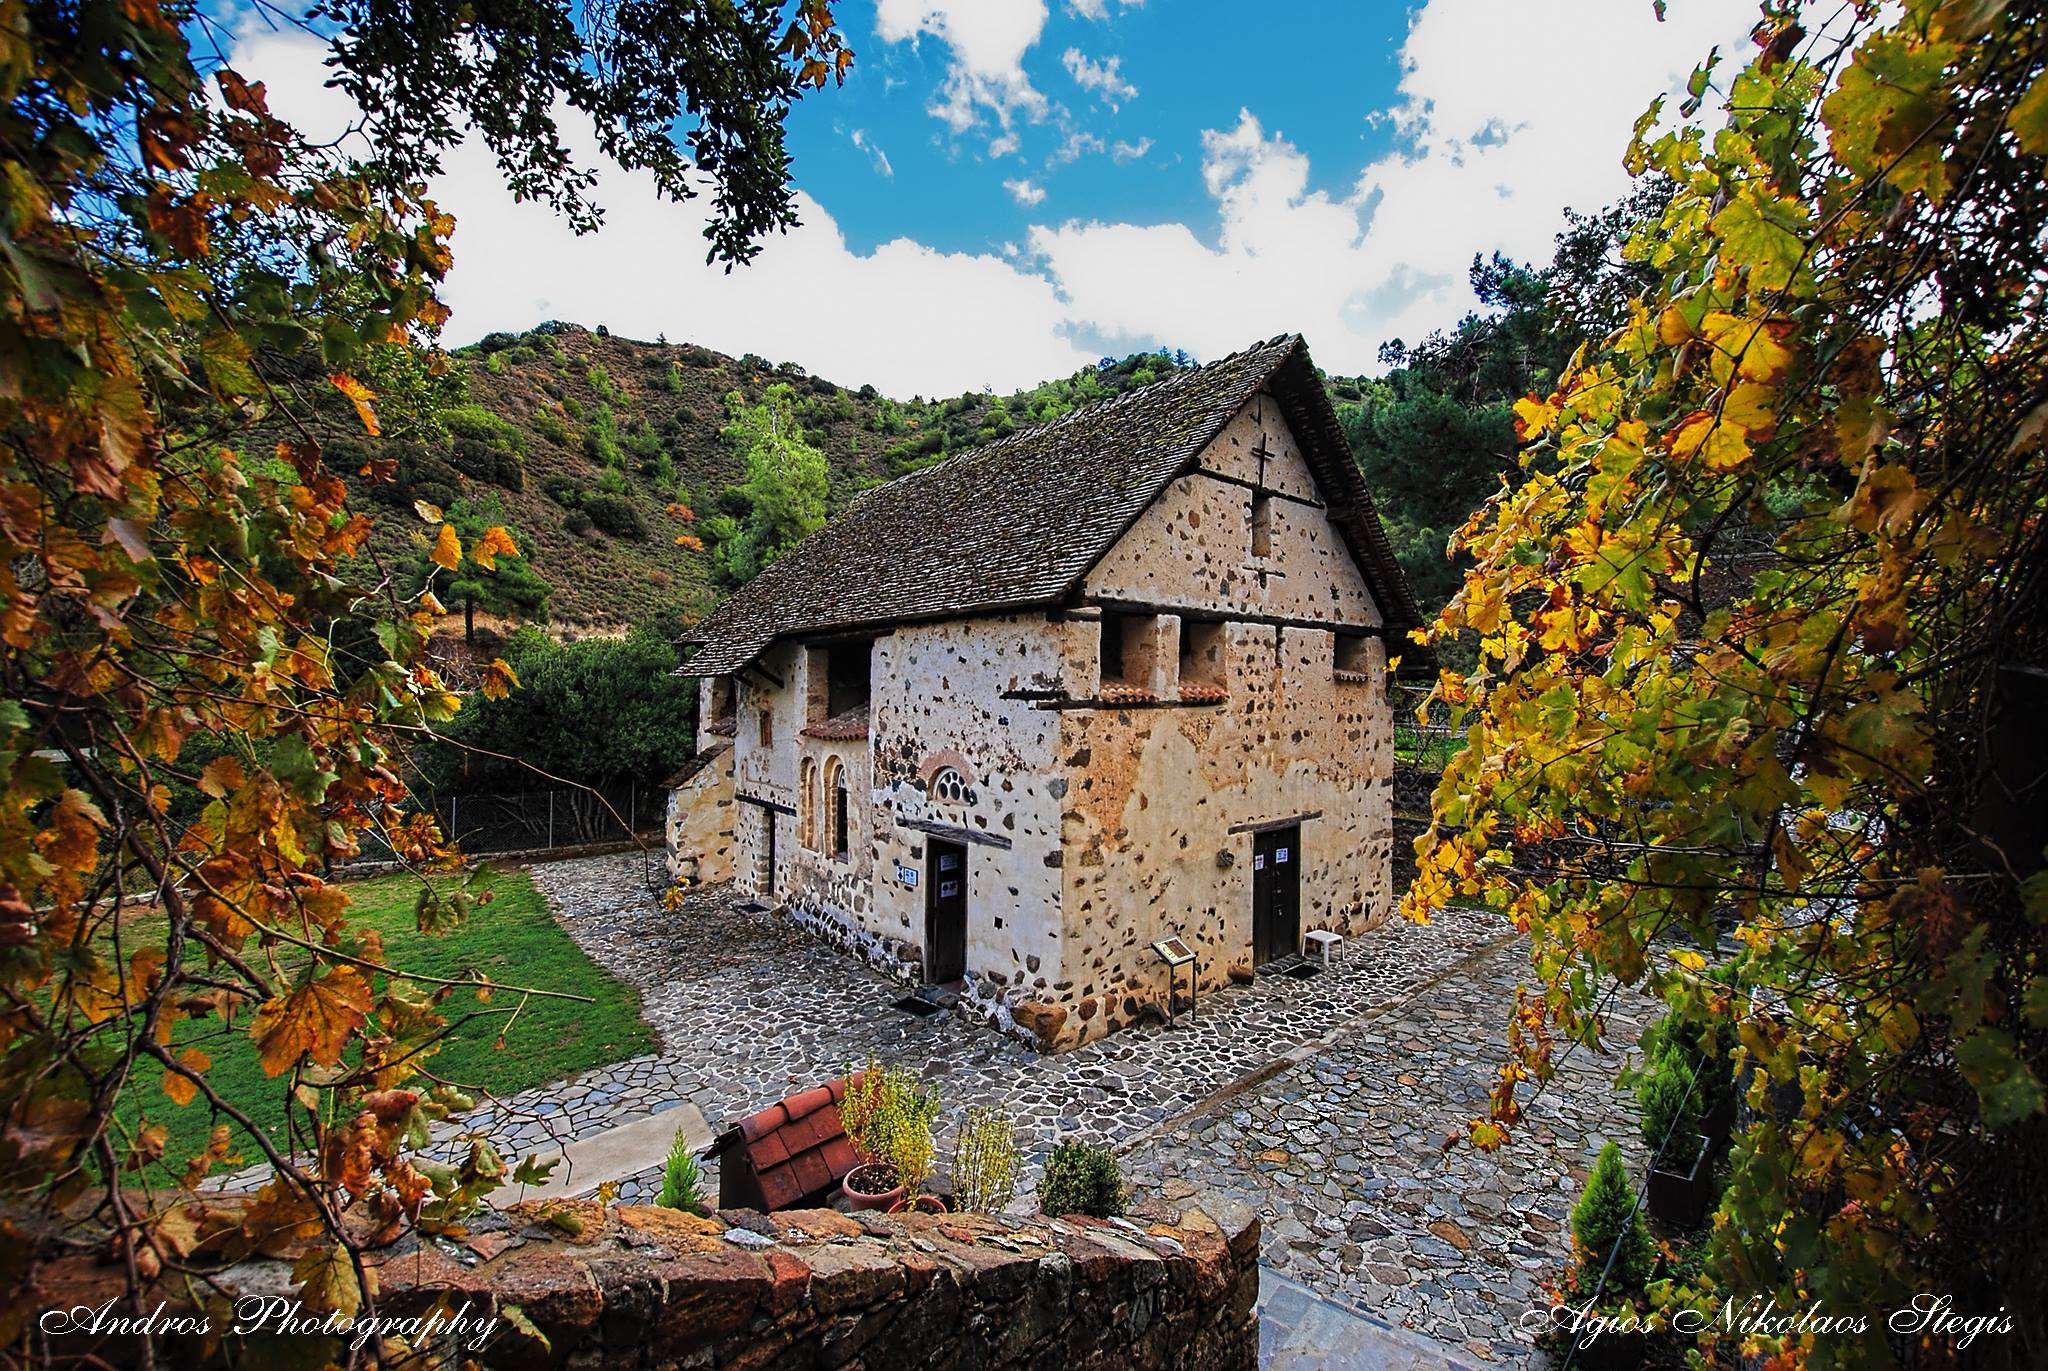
(636, 1287)
(1153, 793)
(700, 823)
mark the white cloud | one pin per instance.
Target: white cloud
(1098, 9)
(988, 40)
(1102, 78)
(875, 154)
(1492, 147)
(906, 317)
(1079, 143)
(1002, 145)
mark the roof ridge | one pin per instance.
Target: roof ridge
(1095, 407)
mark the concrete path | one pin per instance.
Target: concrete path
(631, 1147)
(1299, 1330)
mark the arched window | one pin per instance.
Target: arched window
(836, 799)
(948, 787)
(807, 805)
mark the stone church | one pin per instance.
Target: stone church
(1011, 723)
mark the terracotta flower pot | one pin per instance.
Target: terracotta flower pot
(870, 1174)
(919, 1204)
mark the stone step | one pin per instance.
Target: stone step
(625, 1149)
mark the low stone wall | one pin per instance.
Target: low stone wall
(579, 1284)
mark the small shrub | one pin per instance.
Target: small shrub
(601, 381)
(682, 1179)
(984, 1161)
(615, 514)
(672, 379)
(1605, 1220)
(1669, 1103)
(577, 522)
(550, 426)
(566, 491)
(1081, 1178)
(612, 481)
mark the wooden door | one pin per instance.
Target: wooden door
(945, 912)
(1276, 894)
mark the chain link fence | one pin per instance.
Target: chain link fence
(496, 823)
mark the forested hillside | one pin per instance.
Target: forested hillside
(599, 452)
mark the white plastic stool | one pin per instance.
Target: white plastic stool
(1325, 942)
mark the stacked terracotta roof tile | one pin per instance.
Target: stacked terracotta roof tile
(840, 727)
(788, 1155)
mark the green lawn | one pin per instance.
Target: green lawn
(513, 941)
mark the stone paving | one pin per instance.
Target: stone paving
(1343, 1156)
(750, 1009)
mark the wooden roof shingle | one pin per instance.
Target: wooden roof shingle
(1018, 523)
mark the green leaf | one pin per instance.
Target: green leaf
(2007, 1088)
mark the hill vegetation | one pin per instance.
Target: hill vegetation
(600, 452)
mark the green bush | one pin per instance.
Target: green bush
(1668, 1102)
(601, 381)
(483, 445)
(577, 522)
(565, 491)
(1606, 1220)
(595, 712)
(1081, 1178)
(615, 514)
(550, 426)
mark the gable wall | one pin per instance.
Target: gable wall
(1192, 548)
(1154, 792)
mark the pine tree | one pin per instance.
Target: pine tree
(1607, 1213)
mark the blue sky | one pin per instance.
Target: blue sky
(1005, 190)
(945, 188)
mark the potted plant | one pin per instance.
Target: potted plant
(1681, 1181)
(1613, 1259)
(1674, 1092)
(888, 1115)
(682, 1178)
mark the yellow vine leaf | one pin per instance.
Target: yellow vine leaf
(361, 396)
(447, 552)
(314, 1020)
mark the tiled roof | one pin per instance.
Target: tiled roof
(694, 765)
(788, 1156)
(1018, 523)
(851, 724)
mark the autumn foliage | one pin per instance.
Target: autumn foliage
(208, 676)
(1759, 663)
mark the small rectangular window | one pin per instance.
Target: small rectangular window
(767, 727)
(1262, 525)
(848, 674)
(1353, 660)
(1201, 654)
(1113, 626)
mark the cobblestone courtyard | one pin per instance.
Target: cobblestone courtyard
(749, 1009)
(1343, 1156)
(1323, 1102)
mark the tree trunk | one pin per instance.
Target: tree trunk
(469, 620)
